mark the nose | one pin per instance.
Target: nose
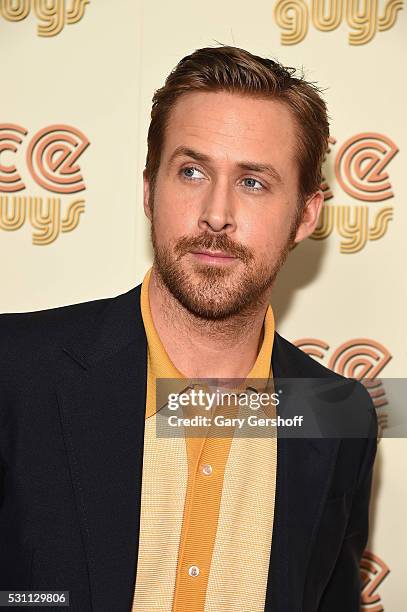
(218, 208)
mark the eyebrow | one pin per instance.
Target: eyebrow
(183, 151)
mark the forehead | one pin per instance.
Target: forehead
(230, 126)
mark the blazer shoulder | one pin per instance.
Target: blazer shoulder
(28, 337)
(306, 366)
(303, 364)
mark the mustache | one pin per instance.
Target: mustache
(207, 241)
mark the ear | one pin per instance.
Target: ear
(310, 215)
(146, 196)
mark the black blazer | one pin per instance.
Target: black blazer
(72, 408)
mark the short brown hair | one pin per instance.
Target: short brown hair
(235, 70)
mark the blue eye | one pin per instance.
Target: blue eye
(189, 171)
(251, 184)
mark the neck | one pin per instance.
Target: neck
(201, 348)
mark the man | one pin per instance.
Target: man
(93, 500)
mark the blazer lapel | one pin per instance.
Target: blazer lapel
(304, 470)
(101, 395)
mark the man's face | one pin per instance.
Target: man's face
(227, 185)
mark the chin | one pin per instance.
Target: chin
(218, 312)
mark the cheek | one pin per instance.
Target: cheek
(265, 235)
(171, 219)
(176, 203)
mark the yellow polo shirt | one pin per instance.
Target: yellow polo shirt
(207, 504)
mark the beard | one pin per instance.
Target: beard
(217, 293)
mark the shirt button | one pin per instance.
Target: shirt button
(193, 570)
(207, 469)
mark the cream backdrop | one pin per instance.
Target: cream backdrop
(92, 69)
